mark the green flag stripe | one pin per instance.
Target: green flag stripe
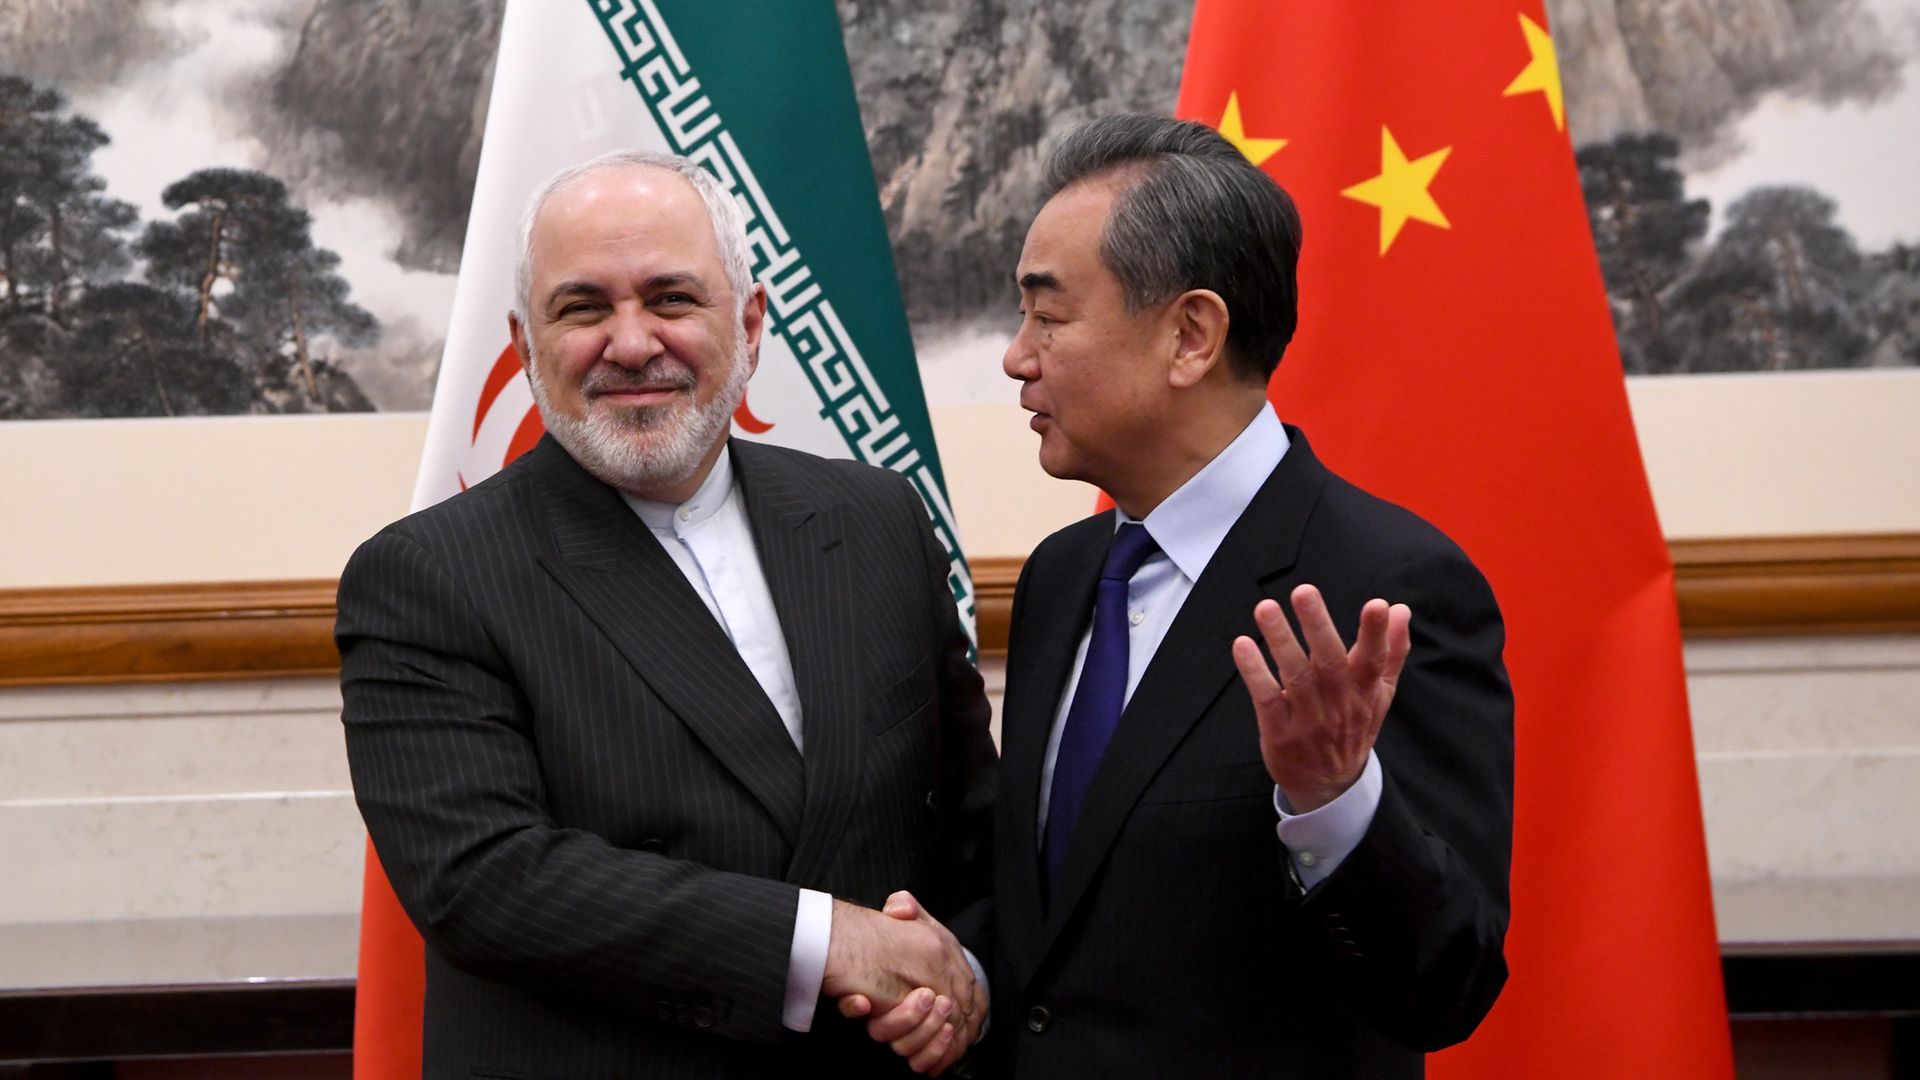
(803, 316)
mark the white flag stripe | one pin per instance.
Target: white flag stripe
(533, 128)
(753, 186)
(489, 447)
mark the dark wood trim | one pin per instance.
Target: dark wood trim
(1725, 588)
(1802, 585)
(317, 1017)
(270, 629)
(166, 633)
(1839, 979)
(300, 1017)
(993, 581)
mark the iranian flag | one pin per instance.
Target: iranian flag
(758, 92)
(1455, 355)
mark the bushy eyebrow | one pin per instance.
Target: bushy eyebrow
(1036, 279)
(573, 288)
(675, 279)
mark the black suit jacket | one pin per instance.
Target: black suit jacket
(1178, 944)
(589, 807)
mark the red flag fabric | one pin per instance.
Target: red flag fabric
(392, 984)
(1456, 356)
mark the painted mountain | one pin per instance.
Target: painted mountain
(257, 206)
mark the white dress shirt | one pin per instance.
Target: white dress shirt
(711, 541)
(1189, 526)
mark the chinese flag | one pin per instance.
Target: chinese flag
(1455, 355)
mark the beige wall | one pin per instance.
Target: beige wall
(229, 499)
(1771, 455)
(136, 501)
(179, 812)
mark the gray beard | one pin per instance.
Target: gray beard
(649, 449)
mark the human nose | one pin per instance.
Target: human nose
(1019, 362)
(632, 338)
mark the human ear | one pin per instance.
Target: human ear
(517, 333)
(753, 322)
(1198, 319)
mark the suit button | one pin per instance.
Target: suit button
(653, 844)
(1039, 1020)
(683, 1015)
(703, 1018)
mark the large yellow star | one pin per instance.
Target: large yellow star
(1256, 150)
(1542, 73)
(1400, 191)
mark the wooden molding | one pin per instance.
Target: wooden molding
(166, 633)
(993, 581)
(1802, 585)
(271, 629)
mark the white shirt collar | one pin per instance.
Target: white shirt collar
(1190, 524)
(706, 501)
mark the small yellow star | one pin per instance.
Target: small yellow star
(1542, 73)
(1400, 191)
(1256, 150)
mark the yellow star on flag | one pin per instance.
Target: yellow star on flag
(1256, 150)
(1542, 73)
(1400, 191)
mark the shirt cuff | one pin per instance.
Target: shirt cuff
(980, 976)
(807, 962)
(1319, 840)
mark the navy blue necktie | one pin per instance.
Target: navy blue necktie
(1098, 698)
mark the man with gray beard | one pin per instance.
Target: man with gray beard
(647, 727)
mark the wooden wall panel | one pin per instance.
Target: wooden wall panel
(1811, 585)
(185, 632)
(166, 633)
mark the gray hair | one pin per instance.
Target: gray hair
(1192, 213)
(729, 224)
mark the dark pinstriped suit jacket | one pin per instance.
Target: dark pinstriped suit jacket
(589, 807)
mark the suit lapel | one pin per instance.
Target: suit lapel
(808, 570)
(1193, 666)
(605, 558)
(1039, 657)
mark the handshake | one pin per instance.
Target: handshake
(909, 976)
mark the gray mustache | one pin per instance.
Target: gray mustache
(653, 376)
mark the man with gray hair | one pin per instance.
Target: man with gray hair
(1202, 869)
(646, 727)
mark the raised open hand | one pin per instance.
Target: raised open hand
(1319, 719)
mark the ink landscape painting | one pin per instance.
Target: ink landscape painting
(220, 207)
